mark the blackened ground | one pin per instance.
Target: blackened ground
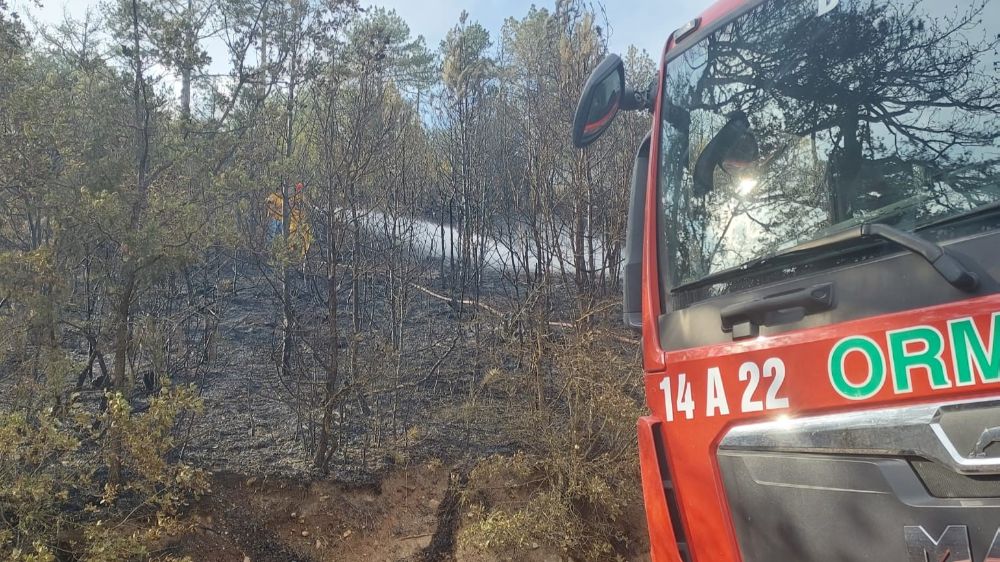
(256, 422)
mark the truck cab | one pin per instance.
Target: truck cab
(812, 260)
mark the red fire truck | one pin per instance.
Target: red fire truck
(813, 257)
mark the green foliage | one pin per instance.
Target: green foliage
(148, 439)
(467, 63)
(12, 34)
(36, 478)
(52, 494)
(176, 28)
(380, 41)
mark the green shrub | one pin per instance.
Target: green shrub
(54, 493)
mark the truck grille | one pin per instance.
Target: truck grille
(870, 485)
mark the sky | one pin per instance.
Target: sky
(645, 23)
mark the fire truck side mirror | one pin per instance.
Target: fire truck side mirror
(602, 98)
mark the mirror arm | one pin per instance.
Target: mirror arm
(633, 100)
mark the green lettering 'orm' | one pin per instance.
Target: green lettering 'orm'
(876, 368)
(970, 352)
(929, 358)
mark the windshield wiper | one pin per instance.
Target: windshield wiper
(946, 264)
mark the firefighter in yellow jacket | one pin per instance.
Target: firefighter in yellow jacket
(299, 231)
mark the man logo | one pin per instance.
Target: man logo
(825, 6)
(952, 546)
(990, 436)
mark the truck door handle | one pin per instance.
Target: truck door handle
(744, 319)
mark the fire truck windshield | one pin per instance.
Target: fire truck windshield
(801, 118)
